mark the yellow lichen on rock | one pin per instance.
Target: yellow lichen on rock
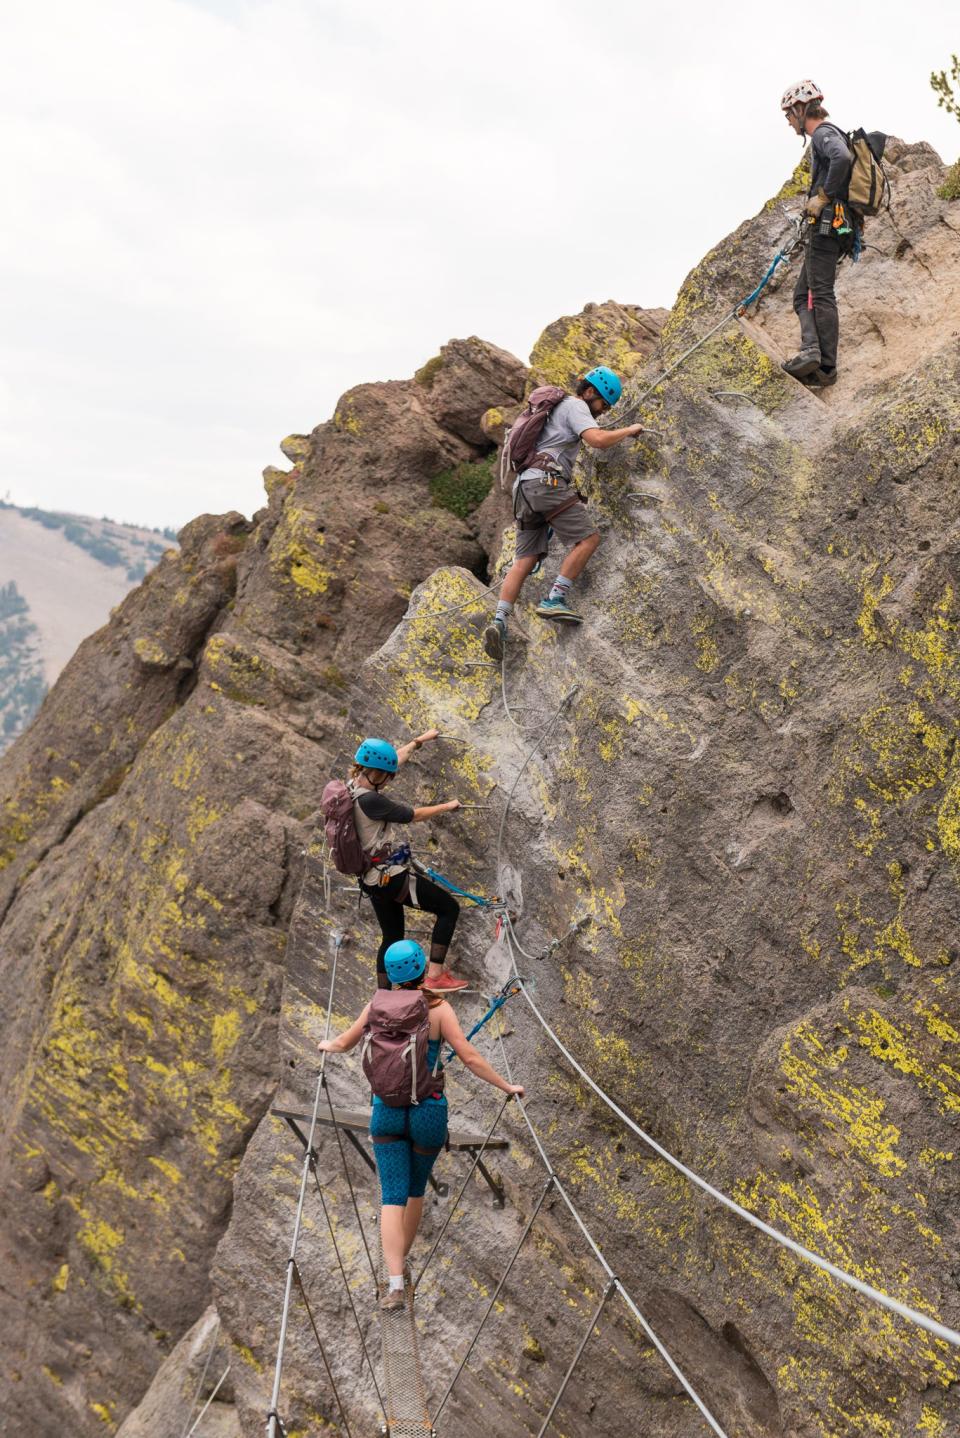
(295, 556)
(812, 1071)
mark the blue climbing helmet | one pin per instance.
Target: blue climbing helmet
(377, 754)
(605, 382)
(404, 961)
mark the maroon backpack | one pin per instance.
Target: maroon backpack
(348, 854)
(394, 1052)
(520, 445)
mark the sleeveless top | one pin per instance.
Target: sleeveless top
(376, 836)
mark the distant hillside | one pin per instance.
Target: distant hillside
(60, 575)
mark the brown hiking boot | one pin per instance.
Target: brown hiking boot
(392, 1299)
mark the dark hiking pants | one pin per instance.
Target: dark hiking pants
(818, 274)
(388, 905)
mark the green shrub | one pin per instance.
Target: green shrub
(464, 487)
(428, 372)
(950, 189)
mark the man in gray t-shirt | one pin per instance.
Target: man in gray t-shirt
(545, 500)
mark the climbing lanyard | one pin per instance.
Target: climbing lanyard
(478, 899)
(785, 253)
(510, 989)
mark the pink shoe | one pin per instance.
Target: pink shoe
(445, 983)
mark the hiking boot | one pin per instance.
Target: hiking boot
(391, 1299)
(444, 983)
(558, 609)
(808, 357)
(804, 363)
(822, 378)
(494, 638)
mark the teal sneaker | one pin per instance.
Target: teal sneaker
(494, 638)
(558, 609)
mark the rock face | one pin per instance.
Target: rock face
(151, 832)
(624, 335)
(461, 381)
(736, 850)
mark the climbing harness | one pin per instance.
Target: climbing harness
(404, 855)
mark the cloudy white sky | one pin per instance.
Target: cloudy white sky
(223, 213)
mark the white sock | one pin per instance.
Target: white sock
(396, 1282)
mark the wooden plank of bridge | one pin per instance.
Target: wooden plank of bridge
(359, 1121)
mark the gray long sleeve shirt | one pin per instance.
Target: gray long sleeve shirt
(830, 162)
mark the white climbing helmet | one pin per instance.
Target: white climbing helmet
(800, 94)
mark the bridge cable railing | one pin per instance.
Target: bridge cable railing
(875, 1295)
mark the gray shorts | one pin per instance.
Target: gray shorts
(534, 499)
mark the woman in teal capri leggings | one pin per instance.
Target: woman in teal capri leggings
(406, 1141)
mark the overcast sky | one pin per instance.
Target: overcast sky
(220, 214)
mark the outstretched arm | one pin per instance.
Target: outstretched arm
(405, 750)
(348, 1039)
(430, 811)
(606, 438)
(451, 1031)
(425, 811)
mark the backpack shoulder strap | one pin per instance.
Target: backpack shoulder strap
(845, 135)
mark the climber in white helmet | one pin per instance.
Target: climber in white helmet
(829, 233)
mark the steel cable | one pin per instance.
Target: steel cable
(187, 1428)
(463, 1188)
(298, 1221)
(346, 1284)
(496, 1294)
(313, 1325)
(611, 1286)
(456, 609)
(544, 736)
(783, 255)
(216, 1389)
(939, 1330)
(346, 1174)
(598, 1255)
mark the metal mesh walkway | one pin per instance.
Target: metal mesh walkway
(404, 1395)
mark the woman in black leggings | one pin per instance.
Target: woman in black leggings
(390, 884)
